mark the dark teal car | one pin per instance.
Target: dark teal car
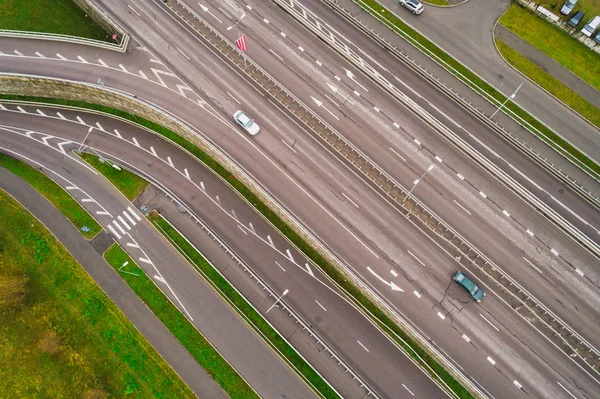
(469, 286)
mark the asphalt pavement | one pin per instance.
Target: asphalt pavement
(182, 362)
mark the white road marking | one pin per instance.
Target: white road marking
(87, 200)
(277, 263)
(129, 218)
(417, 294)
(118, 134)
(579, 272)
(82, 59)
(184, 54)
(357, 94)
(441, 315)
(289, 254)
(409, 391)
(396, 125)
(225, 13)
(159, 278)
(288, 146)
(530, 232)
(243, 230)
(135, 142)
(100, 126)
(123, 68)
(561, 385)
(517, 384)
(322, 307)
(145, 260)
(338, 78)
(282, 34)
(300, 48)
(489, 322)
(18, 53)
(153, 151)
(413, 255)
(461, 177)
(118, 226)
(60, 115)
(143, 75)
(398, 155)
(319, 63)
(39, 111)
(394, 273)
(364, 347)
(506, 213)
(417, 142)
(554, 251)
(187, 174)
(582, 220)
(390, 284)
(114, 232)
(249, 7)
(102, 213)
(376, 109)
(71, 188)
(170, 162)
(309, 270)
(61, 57)
(353, 203)
(266, 20)
(438, 159)
(133, 245)
(466, 338)
(80, 120)
(482, 194)
(462, 207)
(491, 360)
(100, 62)
(131, 8)
(251, 227)
(234, 99)
(532, 265)
(276, 55)
(21, 109)
(134, 213)
(124, 222)
(202, 186)
(270, 241)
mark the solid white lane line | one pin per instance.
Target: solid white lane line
(322, 307)
(582, 220)
(243, 230)
(418, 260)
(277, 263)
(491, 360)
(489, 322)
(131, 8)
(441, 315)
(394, 273)
(462, 207)
(364, 347)
(114, 232)
(184, 54)
(276, 55)
(118, 226)
(234, 99)
(129, 218)
(532, 265)
(409, 391)
(124, 222)
(134, 214)
(353, 203)
(566, 390)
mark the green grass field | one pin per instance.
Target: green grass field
(49, 16)
(131, 185)
(53, 193)
(60, 336)
(555, 43)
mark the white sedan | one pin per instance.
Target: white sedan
(413, 5)
(248, 124)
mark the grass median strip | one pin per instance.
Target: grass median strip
(477, 84)
(412, 348)
(60, 335)
(180, 327)
(50, 16)
(53, 193)
(243, 307)
(130, 184)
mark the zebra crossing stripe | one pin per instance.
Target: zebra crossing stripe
(124, 222)
(129, 218)
(134, 214)
(118, 226)
(114, 232)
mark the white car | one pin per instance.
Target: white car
(248, 124)
(413, 5)
(568, 7)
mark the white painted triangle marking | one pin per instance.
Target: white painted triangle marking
(309, 270)
(162, 280)
(289, 254)
(145, 260)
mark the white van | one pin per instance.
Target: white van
(591, 26)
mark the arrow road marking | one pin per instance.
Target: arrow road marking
(320, 104)
(205, 9)
(336, 91)
(391, 284)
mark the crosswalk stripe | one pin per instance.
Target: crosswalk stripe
(124, 222)
(129, 218)
(134, 214)
(118, 226)
(114, 232)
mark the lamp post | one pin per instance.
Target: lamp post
(278, 299)
(238, 21)
(429, 169)
(85, 138)
(512, 96)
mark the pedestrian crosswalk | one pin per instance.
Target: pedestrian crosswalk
(124, 222)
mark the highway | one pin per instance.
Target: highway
(359, 231)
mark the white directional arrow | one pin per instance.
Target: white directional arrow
(391, 284)
(351, 76)
(336, 90)
(320, 104)
(205, 9)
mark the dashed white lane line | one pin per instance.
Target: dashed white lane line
(532, 265)
(282, 34)
(438, 159)
(466, 338)
(281, 267)
(461, 177)
(124, 222)
(491, 360)
(134, 214)
(364, 347)
(409, 391)
(517, 384)
(413, 255)
(234, 99)
(118, 226)
(319, 63)
(129, 218)
(441, 315)
(566, 390)
(462, 207)
(506, 213)
(483, 194)
(530, 232)
(417, 294)
(554, 251)
(112, 230)
(266, 20)
(322, 307)
(71, 188)
(88, 200)
(579, 272)
(300, 48)
(394, 273)
(489, 322)
(348, 198)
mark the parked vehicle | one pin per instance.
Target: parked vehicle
(568, 7)
(469, 286)
(576, 19)
(591, 26)
(597, 38)
(413, 5)
(248, 124)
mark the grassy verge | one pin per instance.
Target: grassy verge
(244, 308)
(53, 193)
(477, 84)
(180, 327)
(60, 335)
(436, 2)
(130, 184)
(555, 43)
(549, 83)
(49, 16)
(411, 347)
(589, 7)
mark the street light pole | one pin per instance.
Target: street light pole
(512, 96)
(429, 169)
(278, 299)
(85, 138)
